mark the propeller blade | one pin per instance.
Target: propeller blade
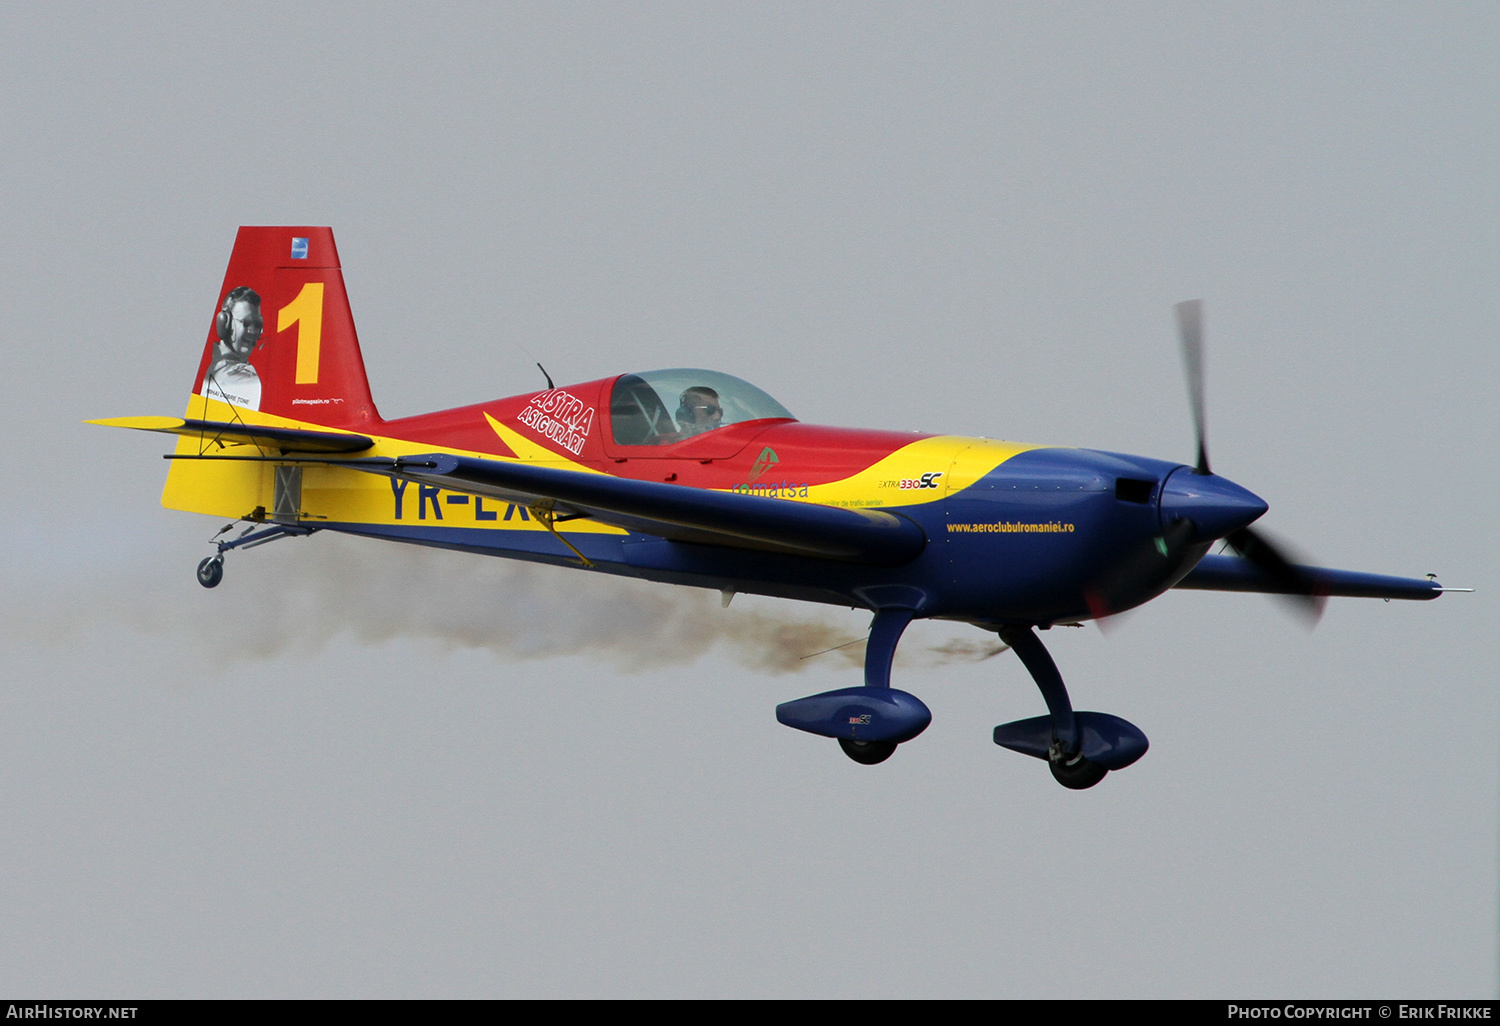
(1190, 331)
(1296, 586)
(1268, 557)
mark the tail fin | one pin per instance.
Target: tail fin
(282, 340)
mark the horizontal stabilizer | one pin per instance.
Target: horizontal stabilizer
(226, 433)
(1231, 573)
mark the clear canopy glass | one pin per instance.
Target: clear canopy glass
(665, 406)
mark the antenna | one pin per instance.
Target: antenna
(539, 367)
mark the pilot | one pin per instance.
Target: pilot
(239, 325)
(699, 411)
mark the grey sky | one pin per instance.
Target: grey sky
(960, 218)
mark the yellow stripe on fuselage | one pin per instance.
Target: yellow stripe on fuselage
(898, 479)
(528, 451)
(926, 470)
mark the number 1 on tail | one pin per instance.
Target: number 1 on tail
(306, 311)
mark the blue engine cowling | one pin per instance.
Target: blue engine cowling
(859, 714)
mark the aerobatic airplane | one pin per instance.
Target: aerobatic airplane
(697, 478)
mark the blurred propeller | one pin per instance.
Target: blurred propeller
(1294, 585)
(1196, 507)
(1254, 546)
(1190, 331)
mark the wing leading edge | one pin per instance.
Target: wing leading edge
(681, 513)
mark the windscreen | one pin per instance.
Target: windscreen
(666, 406)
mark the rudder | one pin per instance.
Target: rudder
(282, 339)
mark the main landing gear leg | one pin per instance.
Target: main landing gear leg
(1069, 766)
(1079, 747)
(880, 652)
(869, 721)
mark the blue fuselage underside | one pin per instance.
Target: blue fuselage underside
(1018, 546)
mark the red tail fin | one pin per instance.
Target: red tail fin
(282, 339)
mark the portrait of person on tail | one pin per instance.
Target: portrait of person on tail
(239, 325)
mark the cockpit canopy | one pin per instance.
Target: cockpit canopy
(666, 406)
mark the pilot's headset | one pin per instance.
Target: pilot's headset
(224, 322)
(686, 402)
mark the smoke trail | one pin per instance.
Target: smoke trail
(295, 597)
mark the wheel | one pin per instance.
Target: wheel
(211, 571)
(867, 753)
(1078, 773)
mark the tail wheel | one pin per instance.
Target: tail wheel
(867, 753)
(1076, 773)
(211, 571)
